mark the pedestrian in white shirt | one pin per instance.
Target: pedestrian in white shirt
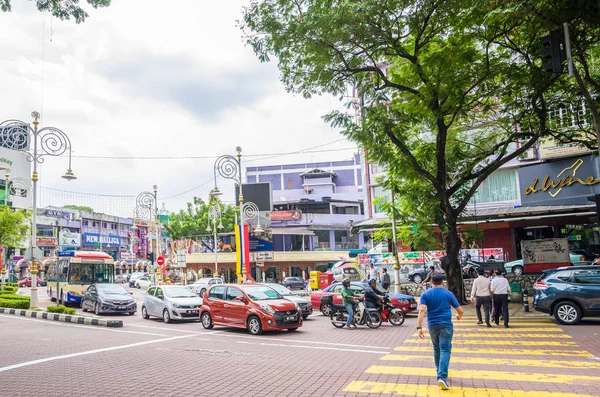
(480, 293)
(500, 291)
(373, 274)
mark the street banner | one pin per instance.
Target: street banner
(242, 252)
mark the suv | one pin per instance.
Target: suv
(569, 293)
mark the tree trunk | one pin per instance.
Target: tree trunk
(452, 266)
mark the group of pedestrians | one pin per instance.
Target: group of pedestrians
(493, 293)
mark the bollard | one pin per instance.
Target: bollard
(526, 300)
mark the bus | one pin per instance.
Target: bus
(69, 276)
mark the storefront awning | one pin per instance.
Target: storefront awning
(294, 231)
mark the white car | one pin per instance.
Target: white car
(143, 282)
(201, 285)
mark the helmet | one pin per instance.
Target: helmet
(371, 281)
(346, 281)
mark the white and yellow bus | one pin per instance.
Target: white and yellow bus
(70, 276)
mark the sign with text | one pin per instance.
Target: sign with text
(69, 239)
(291, 215)
(103, 240)
(552, 250)
(259, 244)
(181, 261)
(262, 256)
(59, 214)
(551, 149)
(46, 241)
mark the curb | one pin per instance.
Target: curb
(65, 318)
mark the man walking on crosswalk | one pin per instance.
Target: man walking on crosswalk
(437, 303)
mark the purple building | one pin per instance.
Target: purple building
(314, 204)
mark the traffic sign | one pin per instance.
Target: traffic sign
(160, 261)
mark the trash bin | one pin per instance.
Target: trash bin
(515, 287)
(325, 280)
(315, 277)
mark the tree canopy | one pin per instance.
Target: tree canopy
(79, 207)
(61, 9)
(13, 227)
(448, 90)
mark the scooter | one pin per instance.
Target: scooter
(362, 315)
(390, 313)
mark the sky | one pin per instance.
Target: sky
(142, 79)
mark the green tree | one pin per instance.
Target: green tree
(193, 222)
(79, 207)
(13, 227)
(62, 9)
(442, 86)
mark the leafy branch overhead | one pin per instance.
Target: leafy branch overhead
(61, 9)
(13, 227)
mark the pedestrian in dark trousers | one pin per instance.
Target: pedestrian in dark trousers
(385, 279)
(481, 295)
(437, 303)
(500, 290)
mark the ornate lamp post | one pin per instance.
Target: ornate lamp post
(36, 144)
(214, 213)
(147, 208)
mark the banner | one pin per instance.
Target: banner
(104, 240)
(69, 239)
(242, 253)
(291, 215)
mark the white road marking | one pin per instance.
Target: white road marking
(171, 329)
(79, 325)
(316, 347)
(106, 349)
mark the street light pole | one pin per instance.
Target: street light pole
(147, 208)
(47, 141)
(214, 213)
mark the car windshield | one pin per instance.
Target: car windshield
(261, 293)
(179, 292)
(281, 290)
(111, 289)
(350, 270)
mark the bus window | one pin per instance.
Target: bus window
(62, 271)
(104, 274)
(80, 274)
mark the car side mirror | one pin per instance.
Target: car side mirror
(130, 292)
(240, 299)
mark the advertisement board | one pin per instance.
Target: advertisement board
(66, 238)
(20, 168)
(548, 251)
(290, 215)
(46, 242)
(551, 149)
(104, 239)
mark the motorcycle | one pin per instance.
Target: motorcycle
(390, 313)
(362, 315)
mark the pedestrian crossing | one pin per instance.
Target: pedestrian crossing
(532, 358)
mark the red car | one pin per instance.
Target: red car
(406, 303)
(26, 282)
(255, 307)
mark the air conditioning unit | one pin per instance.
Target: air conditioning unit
(528, 155)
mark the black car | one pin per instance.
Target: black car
(108, 298)
(419, 274)
(569, 293)
(294, 283)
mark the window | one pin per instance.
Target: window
(91, 289)
(233, 293)
(563, 276)
(104, 273)
(104, 225)
(587, 277)
(86, 223)
(94, 224)
(159, 293)
(380, 196)
(350, 209)
(217, 293)
(501, 185)
(378, 169)
(321, 239)
(151, 291)
(356, 289)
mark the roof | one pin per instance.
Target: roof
(298, 231)
(317, 173)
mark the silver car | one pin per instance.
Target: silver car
(171, 302)
(201, 285)
(303, 303)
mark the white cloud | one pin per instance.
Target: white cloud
(142, 79)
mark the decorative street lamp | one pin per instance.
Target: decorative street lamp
(147, 209)
(36, 144)
(132, 239)
(214, 213)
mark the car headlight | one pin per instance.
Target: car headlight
(268, 309)
(296, 306)
(176, 305)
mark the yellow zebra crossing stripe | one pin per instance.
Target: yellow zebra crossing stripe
(498, 342)
(486, 375)
(504, 335)
(511, 329)
(358, 386)
(512, 324)
(489, 352)
(500, 361)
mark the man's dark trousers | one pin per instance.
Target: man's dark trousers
(501, 306)
(486, 302)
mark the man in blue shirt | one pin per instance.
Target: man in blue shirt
(438, 302)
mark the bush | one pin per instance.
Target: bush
(8, 289)
(14, 303)
(61, 309)
(5, 295)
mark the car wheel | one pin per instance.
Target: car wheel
(145, 315)
(138, 286)
(517, 270)
(305, 317)
(289, 287)
(97, 309)
(166, 316)
(131, 313)
(206, 320)
(83, 309)
(417, 278)
(567, 313)
(326, 309)
(254, 326)
(202, 292)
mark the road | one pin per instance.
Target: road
(149, 357)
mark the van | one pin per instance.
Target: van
(349, 272)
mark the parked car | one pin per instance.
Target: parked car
(120, 279)
(569, 293)
(406, 303)
(344, 271)
(171, 302)
(200, 286)
(516, 267)
(26, 282)
(294, 283)
(143, 282)
(255, 307)
(134, 277)
(419, 274)
(302, 302)
(108, 298)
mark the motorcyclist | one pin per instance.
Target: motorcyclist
(373, 297)
(348, 300)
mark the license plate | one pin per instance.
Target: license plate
(192, 312)
(122, 307)
(413, 305)
(290, 318)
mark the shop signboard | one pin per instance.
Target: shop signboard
(18, 166)
(551, 149)
(262, 256)
(69, 239)
(291, 215)
(544, 254)
(95, 239)
(259, 244)
(564, 182)
(58, 214)
(46, 242)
